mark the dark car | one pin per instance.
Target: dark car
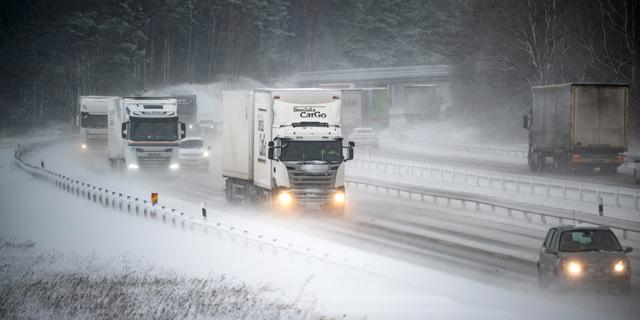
(575, 256)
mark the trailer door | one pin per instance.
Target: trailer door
(600, 116)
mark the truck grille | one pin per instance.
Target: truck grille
(153, 162)
(312, 187)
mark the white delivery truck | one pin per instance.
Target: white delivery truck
(284, 148)
(144, 133)
(92, 120)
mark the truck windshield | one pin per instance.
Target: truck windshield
(330, 151)
(589, 240)
(191, 144)
(88, 120)
(146, 129)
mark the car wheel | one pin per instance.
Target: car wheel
(626, 290)
(543, 282)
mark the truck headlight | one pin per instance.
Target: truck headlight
(174, 166)
(205, 154)
(132, 166)
(284, 198)
(573, 268)
(338, 197)
(619, 267)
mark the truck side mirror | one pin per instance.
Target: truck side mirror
(183, 130)
(270, 151)
(123, 130)
(525, 121)
(350, 151)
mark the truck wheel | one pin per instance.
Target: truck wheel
(610, 169)
(531, 159)
(539, 162)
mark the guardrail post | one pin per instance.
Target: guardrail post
(564, 190)
(618, 198)
(548, 188)
(493, 209)
(581, 193)
(517, 184)
(624, 234)
(533, 186)
(504, 184)
(477, 206)
(637, 198)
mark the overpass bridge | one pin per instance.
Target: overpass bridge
(402, 84)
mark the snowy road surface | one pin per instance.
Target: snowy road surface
(397, 286)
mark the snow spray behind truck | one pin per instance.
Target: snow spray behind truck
(284, 148)
(144, 133)
(578, 125)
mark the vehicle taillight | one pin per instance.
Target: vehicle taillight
(620, 157)
(576, 156)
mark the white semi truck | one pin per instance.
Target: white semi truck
(284, 148)
(144, 133)
(92, 120)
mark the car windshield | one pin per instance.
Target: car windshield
(330, 151)
(145, 129)
(589, 240)
(88, 120)
(191, 144)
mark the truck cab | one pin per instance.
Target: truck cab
(92, 120)
(144, 133)
(295, 155)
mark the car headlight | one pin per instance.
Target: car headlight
(83, 146)
(205, 154)
(338, 197)
(284, 199)
(132, 166)
(174, 166)
(573, 268)
(620, 267)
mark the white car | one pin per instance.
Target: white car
(364, 137)
(194, 153)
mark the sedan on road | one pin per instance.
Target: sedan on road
(194, 154)
(574, 256)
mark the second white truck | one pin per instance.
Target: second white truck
(92, 120)
(284, 148)
(144, 133)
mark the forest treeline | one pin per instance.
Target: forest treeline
(52, 51)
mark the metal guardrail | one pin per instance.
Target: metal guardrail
(515, 153)
(550, 188)
(512, 209)
(135, 205)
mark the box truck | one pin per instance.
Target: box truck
(578, 125)
(144, 133)
(284, 148)
(92, 120)
(422, 102)
(188, 109)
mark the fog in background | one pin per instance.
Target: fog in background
(54, 52)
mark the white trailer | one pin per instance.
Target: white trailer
(284, 148)
(144, 133)
(92, 120)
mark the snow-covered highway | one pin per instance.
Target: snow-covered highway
(402, 245)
